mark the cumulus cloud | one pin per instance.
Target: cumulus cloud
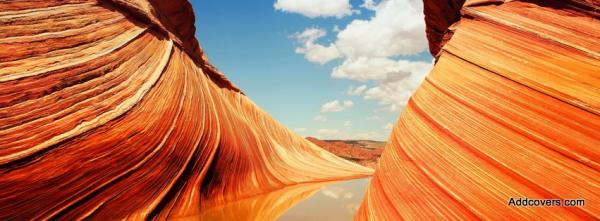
(371, 48)
(394, 91)
(356, 91)
(312, 51)
(398, 28)
(336, 106)
(369, 4)
(320, 118)
(395, 80)
(381, 69)
(316, 8)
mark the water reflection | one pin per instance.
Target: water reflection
(335, 202)
(316, 201)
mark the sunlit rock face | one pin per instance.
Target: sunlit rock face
(109, 110)
(510, 110)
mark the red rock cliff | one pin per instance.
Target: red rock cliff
(510, 110)
(110, 110)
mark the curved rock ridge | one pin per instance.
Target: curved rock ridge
(510, 110)
(110, 110)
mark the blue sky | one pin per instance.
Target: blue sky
(255, 46)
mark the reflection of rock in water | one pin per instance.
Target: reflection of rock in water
(263, 207)
(511, 109)
(110, 110)
(335, 200)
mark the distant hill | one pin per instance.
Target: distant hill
(364, 152)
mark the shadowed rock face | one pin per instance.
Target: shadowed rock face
(441, 14)
(510, 110)
(110, 110)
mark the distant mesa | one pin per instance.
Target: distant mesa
(363, 152)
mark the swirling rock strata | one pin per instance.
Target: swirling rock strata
(110, 110)
(510, 110)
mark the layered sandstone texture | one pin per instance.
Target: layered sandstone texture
(510, 110)
(110, 110)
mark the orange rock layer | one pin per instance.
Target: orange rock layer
(510, 110)
(353, 150)
(109, 110)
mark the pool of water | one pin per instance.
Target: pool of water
(334, 202)
(331, 201)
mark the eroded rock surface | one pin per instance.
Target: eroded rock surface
(110, 110)
(510, 110)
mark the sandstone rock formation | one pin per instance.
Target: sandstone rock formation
(363, 152)
(510, 110)
(110, 110)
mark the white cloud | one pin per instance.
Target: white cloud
(370, 50)
(375, 117)
(369, 4)
(398, 28)
(316, 8)
(300, 129)
(336, 106)
(395, 80)
(312, 51)
(356, 91)
(382, 69)
(320, 118)
(388, 126)
(394, 91)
